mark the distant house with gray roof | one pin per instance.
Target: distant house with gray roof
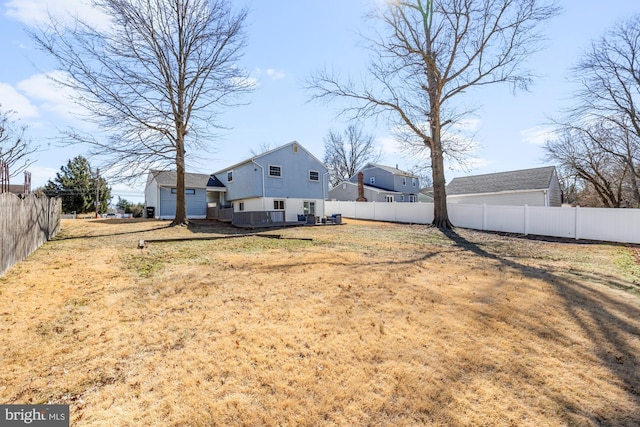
(532, 187)
(381, 184)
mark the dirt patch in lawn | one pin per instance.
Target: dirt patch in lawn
(365, 324)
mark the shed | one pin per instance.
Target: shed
(533, 187)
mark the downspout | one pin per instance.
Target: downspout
(262, 169)
(325, 186)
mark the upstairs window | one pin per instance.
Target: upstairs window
(414, 182)
(314, 176)
(230, 176)
(372, 180)
(404, 180)
(275, 171)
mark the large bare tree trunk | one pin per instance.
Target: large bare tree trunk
(181, 206)
(440, 213)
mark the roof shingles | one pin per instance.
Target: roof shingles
(520, 180)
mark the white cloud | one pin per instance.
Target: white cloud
(275, 74)
(271, 73)
(52, 97)
(537, 135)
(34, 12)
(15, 101)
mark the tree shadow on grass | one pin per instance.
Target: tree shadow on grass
(199, 227)
(603, 320)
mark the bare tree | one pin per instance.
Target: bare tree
(426, 54)
(153, 79)
(15, 148)
(609, 77)
(608, 100)
(593, 176)
(345, 153)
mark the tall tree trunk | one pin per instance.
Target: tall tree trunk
(440, 213)
(181, 207)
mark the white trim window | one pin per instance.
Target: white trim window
(314, 176)
(372, 180)
(309, 207)
(275, 171)
(278, 205)
(187, 191)
(230, 176)
(241, 206)
(404, 181)
(388, 199)
(414, 182)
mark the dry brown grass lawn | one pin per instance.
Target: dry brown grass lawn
(368, 324)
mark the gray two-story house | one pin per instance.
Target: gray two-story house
(380, 184)
(288, 180)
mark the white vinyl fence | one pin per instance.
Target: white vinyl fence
(612, 225)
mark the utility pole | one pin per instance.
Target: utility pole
(97, 191)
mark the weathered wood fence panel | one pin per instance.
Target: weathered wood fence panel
(25, 224)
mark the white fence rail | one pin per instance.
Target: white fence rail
(612, 225)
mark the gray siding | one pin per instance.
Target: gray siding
(249, 177)
(555, 192)
(196, 203)
(294, 181)
(383, 178)
(246, 183)
(350, 193)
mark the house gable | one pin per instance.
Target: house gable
(388, 178)
(289, 171)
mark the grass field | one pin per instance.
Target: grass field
(364, 324)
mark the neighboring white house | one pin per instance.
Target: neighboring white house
(533, 187)
(380, 184)
(160, 194)
(284, 183)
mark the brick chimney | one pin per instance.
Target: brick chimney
(361, 197)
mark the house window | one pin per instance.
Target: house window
(241, 206)
(402, 198)
(295, 148)
(309, 208)
(412, 198)
(230, 176)
(188, 191)
(414, 182)
(344, 186)
(278, 205)
(275, 171)
(404, 180)
(314, 176)
(372, 180)
(388, 199)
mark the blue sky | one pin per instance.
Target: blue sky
(287, 41)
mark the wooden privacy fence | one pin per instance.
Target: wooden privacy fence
(611, 225)
(25, 224)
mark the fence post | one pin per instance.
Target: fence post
(526, 219)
